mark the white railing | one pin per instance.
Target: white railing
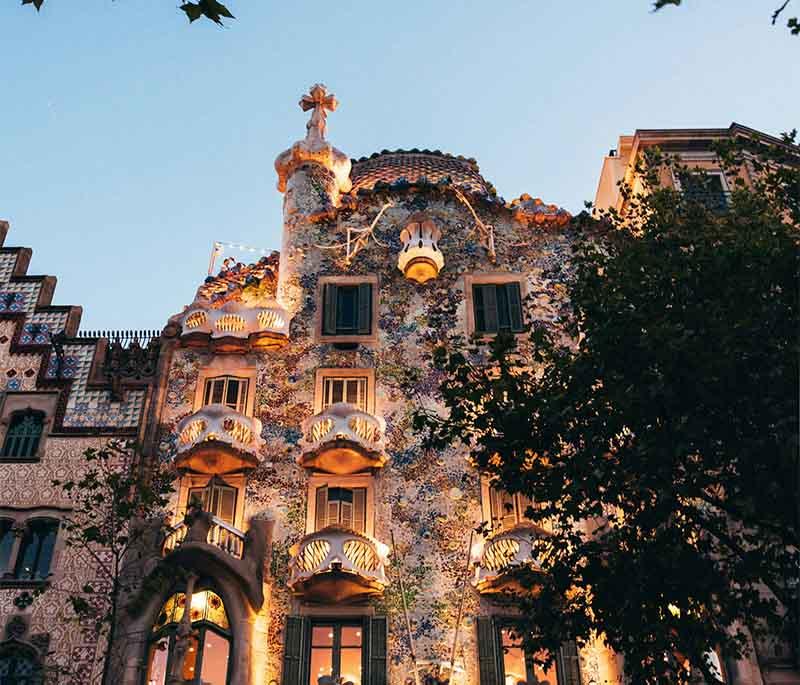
(339, 549)
(343, 421)
(221, 423)
(235, 320)
(220, 534)
(503, 552)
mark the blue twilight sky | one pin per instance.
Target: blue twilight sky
(129, 140)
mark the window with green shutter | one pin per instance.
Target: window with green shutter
(353, 650)
(497, 307)
(347, 309)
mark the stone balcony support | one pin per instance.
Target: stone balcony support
(336, 564)
(342, 439)
(218, 439)
(234, 327)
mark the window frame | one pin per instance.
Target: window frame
(20, 520)
(226, 380)
(320, 336)
(504, 623)
(492, 278)
(216, 483)
(337, 623)
(226, 365)
(487, 489)
(192, 481)
(316, 480)
(323, 374)
(715, 171)
(14, 402)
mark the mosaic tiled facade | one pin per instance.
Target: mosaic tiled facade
(283, 398)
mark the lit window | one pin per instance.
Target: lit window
(36, 550)
(518, 664)
(335, 652)
(351, 389)
(227, 390)
(347, 309)
(341, 506)
(23, 435)
(497, 307)
(207, 658)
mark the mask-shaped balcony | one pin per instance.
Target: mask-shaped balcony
(336, 564)
(496, 558)
(206, 542)
(342, 439)
(234, 327)
(218, 439)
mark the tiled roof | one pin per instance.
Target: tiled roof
(416, 165)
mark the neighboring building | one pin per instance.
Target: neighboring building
(283, 395)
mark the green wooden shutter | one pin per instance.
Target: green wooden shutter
(514, 306)
(488, 659)
(364, 308)
(321, 513)
(490, 308)
(569, 670)
(293, 648)
(329, 309)
(376, 633)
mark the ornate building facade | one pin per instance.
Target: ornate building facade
(318, 542)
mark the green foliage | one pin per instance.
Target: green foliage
(661, 444)
(792, 23)
(210, 9)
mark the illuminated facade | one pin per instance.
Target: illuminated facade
(282, 396)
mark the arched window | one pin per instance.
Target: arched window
(208, 657)
(36, 550)
(23, 435)
(19, 665)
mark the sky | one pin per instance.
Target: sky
(130, 141)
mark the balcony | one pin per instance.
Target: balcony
(206, 543)
(500, 555)
(337, 565)
(218, 439)
(235, 327)
(342, 440)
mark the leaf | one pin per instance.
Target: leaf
(36, 3)
(211, 9)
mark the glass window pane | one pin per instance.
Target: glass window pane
(322, 636)
(157, 662)
(321, 663)
(351, 636)
(216, 392)
(350, 664)
(337, 390)
(190, 661)
(6, 543)
(46, 545)
(216, 651)
(514, 666)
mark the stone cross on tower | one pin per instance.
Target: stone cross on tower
(321, 102)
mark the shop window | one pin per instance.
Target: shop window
(217, 498)
(36, 550)
(207, 659)
(497, 307)
(23, 435)
(19, 666)
(341, 506)
(228, 390)
(343, 650)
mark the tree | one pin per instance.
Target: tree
(193, 9)
(660, 439)
(792, 23)
(113, 502)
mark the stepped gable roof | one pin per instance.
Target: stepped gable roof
(415, 166)
(237, 281)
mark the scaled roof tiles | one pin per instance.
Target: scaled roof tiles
(414, 166)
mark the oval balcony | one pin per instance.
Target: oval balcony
(342, 439)
(336, 564)
(235, 327)
(218, 439)
(496, 558)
